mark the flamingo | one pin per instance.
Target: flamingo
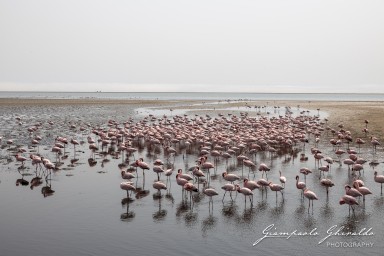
(181, 181)
(348, 162)
(276, 188)
(207, 166)
(198, 173)
(74, 142)
(228, 187)
(357, 168)
(379, 179)
(305, 171)
(230, 177)
(375, 143)
(352, 191)
(350, 200)
(158, 169)
(127, 186)
(159, 186)
(158, 162)
(252, 185)
(318, 157)
(246, 192)
(248, 163)
(21, 159)
(263, 183)
(168, 173)
(264, 168)
(191, 188)
(209, 191)
(184, 175)
(143, 165)
(300, 185)
(127, 175)
(327, 183)
(324, 168)
(363, 190)
(329, 160)
(311, 196)
(358, 182)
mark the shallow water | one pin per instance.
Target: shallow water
(85, 214)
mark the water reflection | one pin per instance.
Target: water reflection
(247, 216)
(92, 162)
(22, 181)
(190, 218)
(182, 208)
(278, 210)
(127, 215)
(160, 214)
(208, 224)
(326, 211)
(47, 189)
(36, 181)
(309, 222)
(229, 209)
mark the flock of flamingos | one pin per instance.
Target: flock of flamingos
(212, 141)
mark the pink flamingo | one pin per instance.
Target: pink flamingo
(159, 186)
(228, 187)
(128, 187)
(350, 200)
(327, 183)
(305, 171)
(311, 196)
(352, 191)
(191, 188)
(248, 163)
(276, 188)
(209, 192)
(184, 175)
(324, 168)
(21, 159)
(252, 185)
(264, 168)
(230, 177)
(379, 179)
(246, 192)
(363, 190)
(74, 143)
(127, 175)
(300, 185)
(142, 165)
(181, 181)
(158, 169)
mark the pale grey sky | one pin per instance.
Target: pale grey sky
(195, 45)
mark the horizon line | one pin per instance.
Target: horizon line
(40, 91)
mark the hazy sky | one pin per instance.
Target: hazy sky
(195, 45)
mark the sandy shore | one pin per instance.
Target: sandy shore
(351, 114)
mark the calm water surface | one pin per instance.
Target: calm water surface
(85, 214)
